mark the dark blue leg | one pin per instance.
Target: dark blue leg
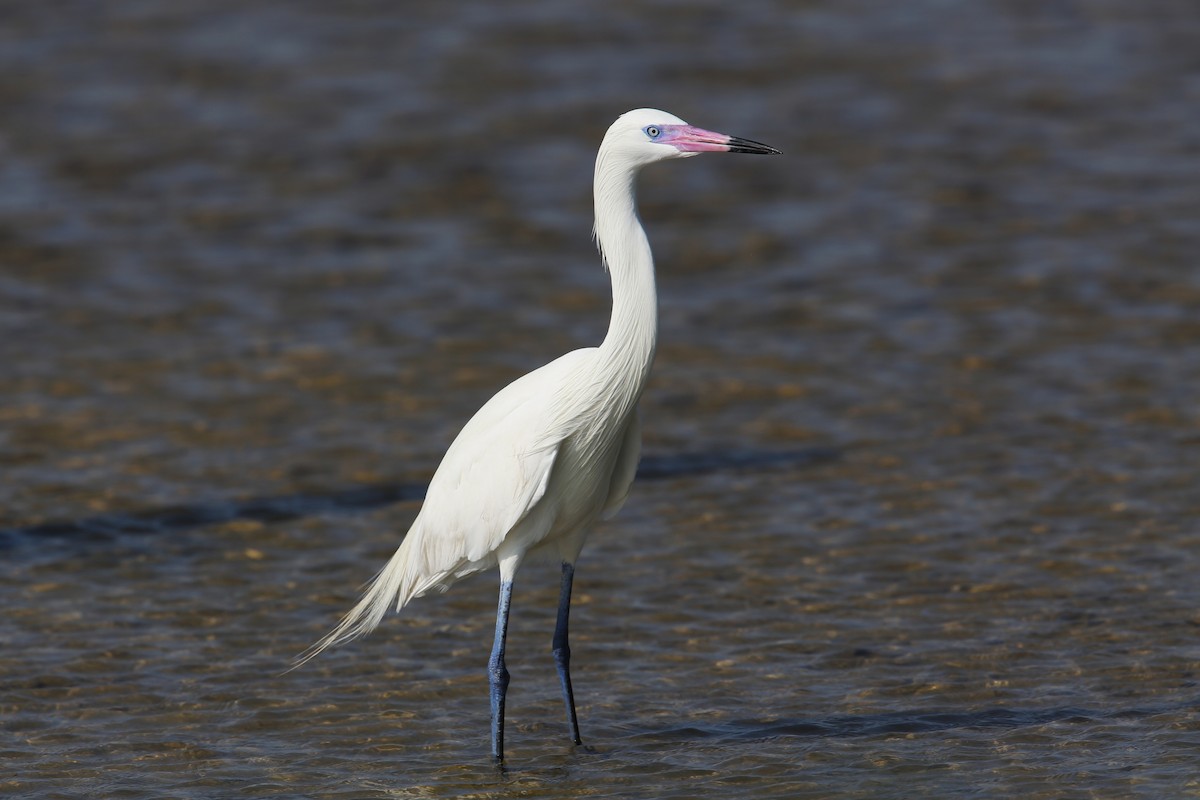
(562, 650)
(498, 673)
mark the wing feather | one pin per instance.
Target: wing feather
(489, 483)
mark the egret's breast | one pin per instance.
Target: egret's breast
(583, 474)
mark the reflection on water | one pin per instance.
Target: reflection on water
(918, 512)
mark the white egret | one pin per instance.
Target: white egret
(557, 449)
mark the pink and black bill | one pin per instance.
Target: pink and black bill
(690, 139)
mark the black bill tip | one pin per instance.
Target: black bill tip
(739, 145)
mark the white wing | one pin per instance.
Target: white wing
(491, 479)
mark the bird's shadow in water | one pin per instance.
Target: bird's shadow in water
(281, 508)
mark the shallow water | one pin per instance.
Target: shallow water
(918, 513)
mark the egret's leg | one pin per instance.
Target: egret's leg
(562, 650)
(498, 673)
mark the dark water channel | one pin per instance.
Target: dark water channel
(919, 506)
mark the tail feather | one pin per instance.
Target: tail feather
(391, 585)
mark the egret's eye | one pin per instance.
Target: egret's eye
(652, 131)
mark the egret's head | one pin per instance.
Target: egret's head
(646, 135)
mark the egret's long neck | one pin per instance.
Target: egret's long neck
(628, 349)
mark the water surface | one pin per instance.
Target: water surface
(918, 513)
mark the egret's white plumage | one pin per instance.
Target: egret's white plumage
(556, 449)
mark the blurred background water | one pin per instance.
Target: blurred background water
(918, 511)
